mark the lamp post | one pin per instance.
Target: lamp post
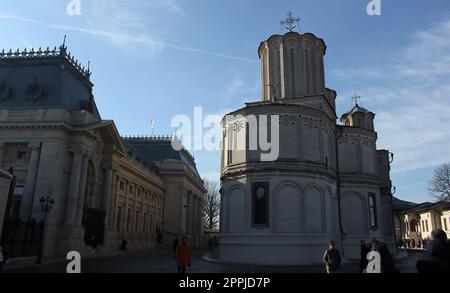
(46, 206)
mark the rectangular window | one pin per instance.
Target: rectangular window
(128, 220)
(426, 224)
(445, 224)
(122, 185)
(373, 211)
(260, 204)
(423, 226)
(144, 229)
(230, 145)
(119, 219)
(136, 225)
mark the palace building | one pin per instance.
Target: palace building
(106, 189)
(329, 182)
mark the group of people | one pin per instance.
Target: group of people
(413, 243)
(333, 260)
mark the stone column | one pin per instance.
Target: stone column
(74, 188)
(200, 218)
(27, 202)
(114, 205)
(82, 191)
(107, 193)
(110, 208)
(2, 152)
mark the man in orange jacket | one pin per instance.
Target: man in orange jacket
(184, 252)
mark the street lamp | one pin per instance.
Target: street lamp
(46, 206)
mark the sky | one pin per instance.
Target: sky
(155, 59)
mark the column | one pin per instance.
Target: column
(74, 188)
(2, 152)
(111, 210)
(107, 193)
(82, 190)
(200, 218)
(30, 183)
(115, 200)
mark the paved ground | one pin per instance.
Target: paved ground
(162, 261)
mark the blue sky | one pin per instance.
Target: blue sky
(154, 59)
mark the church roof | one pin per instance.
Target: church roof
(157, 149)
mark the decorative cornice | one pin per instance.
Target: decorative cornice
(38, 54)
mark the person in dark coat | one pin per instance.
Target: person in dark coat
(437, 258)
(363, 262)
(332, 259)
(174, 246)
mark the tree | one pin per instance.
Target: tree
(211, 205)
(439, 185)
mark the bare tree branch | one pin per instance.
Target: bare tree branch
(211, 205)
(439, 186)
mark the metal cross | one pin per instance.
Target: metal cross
(356, 98)
(291, 22)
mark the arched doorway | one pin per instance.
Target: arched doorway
(93, 217)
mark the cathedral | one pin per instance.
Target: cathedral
(105, 190)
(329, 181)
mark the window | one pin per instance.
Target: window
(230, 145)
(130, 189)
(260, 204)
(122, 185)
(128, 220)
(426, 224)
(373, 211)
(119, 218)
(445, 225)
(17, 202)
(136, 224)
(144, 229)
(423, 226)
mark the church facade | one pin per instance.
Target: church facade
(57, 145)
(329, 181)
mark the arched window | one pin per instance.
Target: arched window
(413, 225)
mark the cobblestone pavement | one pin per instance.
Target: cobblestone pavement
(162, 261)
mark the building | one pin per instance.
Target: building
(416, 221)
(5, 187)
(329, 181)
(184, 191)
(53, 137)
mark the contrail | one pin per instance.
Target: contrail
(145, 40)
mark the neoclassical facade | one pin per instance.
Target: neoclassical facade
(57, 144)
(328, 182)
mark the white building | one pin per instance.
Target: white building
(329, 182)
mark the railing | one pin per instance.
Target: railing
(40, 53)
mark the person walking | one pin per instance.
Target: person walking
(183, 255)
(332, 259)
(175, 246)
(2, 259)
